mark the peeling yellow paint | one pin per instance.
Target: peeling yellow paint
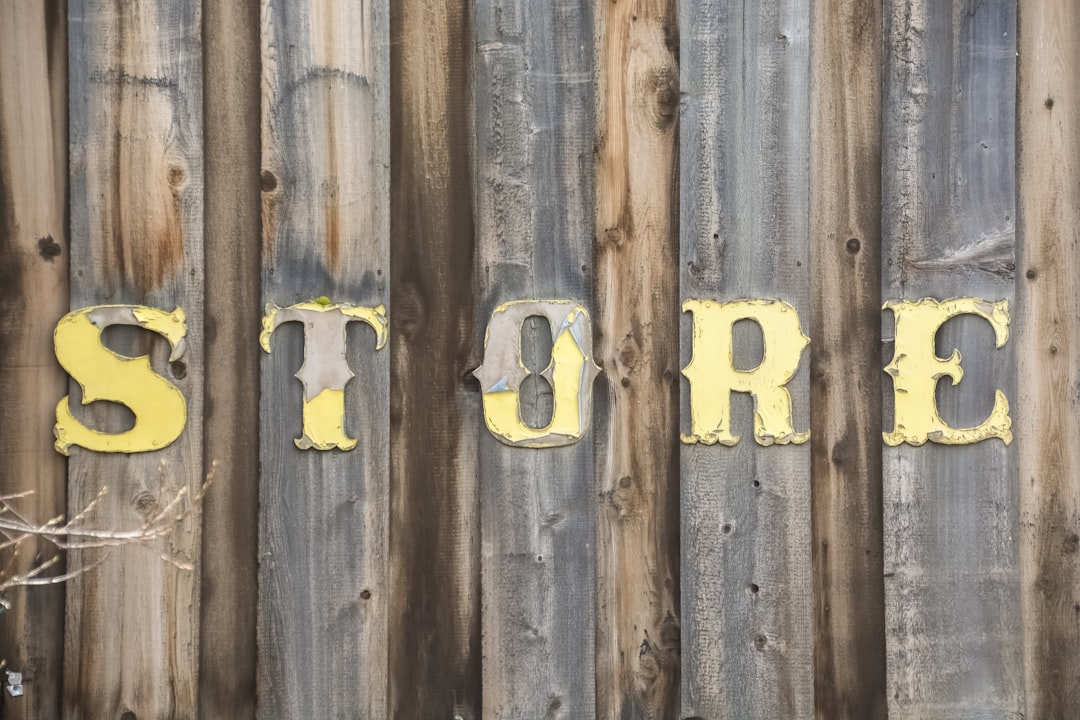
(571, 373)
(713, 377)
(159, 407)
(916, 370)
(325, 371)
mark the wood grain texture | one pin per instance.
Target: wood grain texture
(952, 597)
(746, 565)
(845, 369)
(636, 289)
(534, 115)
(1048, 354)
(230, 425)
(323, 589)
(136, 183)
(33, 296)
(434, 522)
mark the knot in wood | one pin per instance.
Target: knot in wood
(145, 503)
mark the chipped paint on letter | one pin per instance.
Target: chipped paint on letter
(325, 371)
(571, 373)
(916, 369)
(713, 377)
(158, 406)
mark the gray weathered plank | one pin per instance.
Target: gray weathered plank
(746, 565)
(323, 591)
(132, 635)
(33, 296)
(435, 514)
(637, 219)
(950, 513)
(230, 425)
(845, 370)
(1048, 353)
(534, 114)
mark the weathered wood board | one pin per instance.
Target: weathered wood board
(636, 291)
(746, 567)
(952, 601)
(136, 183)
(33, 296)
(230, 426)
(636, 231)
(323, 588)
(435, 419)
(845, 367)
(534, 194)
(1047, 418)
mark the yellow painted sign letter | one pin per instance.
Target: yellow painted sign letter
(916, 369)
(159, 407)
(571, 373)
(325, 371)
(713, 376)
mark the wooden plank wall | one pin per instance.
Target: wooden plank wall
(534, 118)
(952, 600)
(1048, 353)
(136, 174)
(33, 265)
(845, 370)
(444, 158)
(636, 306)
(227, 639)
(324, 596)
(435, 411)
(747, 595)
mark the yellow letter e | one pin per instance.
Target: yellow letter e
(916, 369)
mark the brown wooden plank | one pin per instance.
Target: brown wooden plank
(533, 105)
(845, 369)
(33, 296)
(746, 564)
(434, 522)
(132, 637)
(230, 425)
(954, 645)
(323, 586)
(1048, 353)
(636, 289)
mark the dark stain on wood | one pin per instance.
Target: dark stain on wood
(845, 402)
(435, 622)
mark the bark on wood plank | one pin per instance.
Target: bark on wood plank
(637, 658)
(746, 566)
(323, 590)
(954, 644)
(33, 296)
(534, 101)
(845, 398)
(230, 425)
(132, 636)
(1048, 350)
(434, 522)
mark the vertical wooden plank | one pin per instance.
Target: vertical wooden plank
(746, 566)
(954, 645)
(1048, 353)
(435, 523)
(637, 76)
(132, 636)
(845, 369)
(33, 296)
(323, 592)
(534, 115)
(230, 425)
